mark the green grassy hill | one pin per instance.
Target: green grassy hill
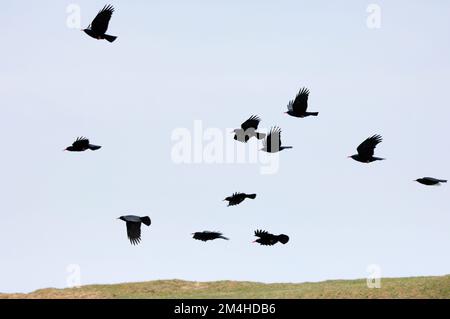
(415, 287)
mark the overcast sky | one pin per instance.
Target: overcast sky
(219, 62)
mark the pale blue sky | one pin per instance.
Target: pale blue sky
(221, 61)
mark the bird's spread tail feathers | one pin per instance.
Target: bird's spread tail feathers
(443, 180)
(283, 238)
(251, 196)
(312, 113)
(146, 220)
(378, 159)
(94, 147)
(110, 38)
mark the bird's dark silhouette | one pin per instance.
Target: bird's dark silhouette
(268, 239)
(98, 27)
(298, 107)
(366, 150)
(272, 143)
(248, 130)
(430, 181)
(134, 227)
(208, 235)
(238, 198)
(82, 144)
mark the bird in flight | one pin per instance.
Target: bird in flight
(97, 28)
(298, 107)
(366, 150)
(272, 143)
(238, 198)
(248, 130)
(430, 181)
(208, 235)
(268, 239)
(134, 227)
(82, 144)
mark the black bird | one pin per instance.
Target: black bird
(82, 144)
(366, 150)
(134, 227)
(430, 181)
(97, 28)
(208, 235)
(268, 239)
(272, 143)
(248, 130)
(298, 107)
(238, 198)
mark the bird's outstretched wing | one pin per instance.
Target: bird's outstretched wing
(213, 234)
(261, 233)
(199, 236)
(252, 122)
(100, 23)
(208, 235)
(265, 238)
(366, 149)
(435, 180)
(134, 232)
(300, 104)
(81, 142)
(273, 139)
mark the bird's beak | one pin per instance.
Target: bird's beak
(253, 241)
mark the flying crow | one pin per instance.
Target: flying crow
(298, 107)
(430, 181)
(272, 143)
(208, 235)
(366, 150)
(97, 28)
(268, 239)
(238, 198)
(248, 130)
(82, 144)
(134, 227)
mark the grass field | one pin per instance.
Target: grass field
(414, 287)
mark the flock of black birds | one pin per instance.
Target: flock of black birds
(271, 144)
